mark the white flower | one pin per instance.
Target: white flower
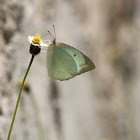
(36, 44)
(36, 41)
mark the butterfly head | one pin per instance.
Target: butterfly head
(54, 41)
(53, 36)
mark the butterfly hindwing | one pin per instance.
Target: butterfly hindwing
(65, 62)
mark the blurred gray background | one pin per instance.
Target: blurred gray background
(101, 104)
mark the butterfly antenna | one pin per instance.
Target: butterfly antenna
(51, 35)
(44, 35)
(54, 31)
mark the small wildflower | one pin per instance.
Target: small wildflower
(36, 44)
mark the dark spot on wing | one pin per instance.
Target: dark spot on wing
(74, 55)
(81, 65)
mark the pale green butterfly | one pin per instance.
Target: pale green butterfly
(65, 62)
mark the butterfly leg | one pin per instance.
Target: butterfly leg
(47, 41)
(42, 52)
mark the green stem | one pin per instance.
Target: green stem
(10, 130)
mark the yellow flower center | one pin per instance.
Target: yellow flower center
(37, 39)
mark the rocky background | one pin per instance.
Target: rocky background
(101, 104)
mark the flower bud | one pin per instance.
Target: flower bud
(34, 50)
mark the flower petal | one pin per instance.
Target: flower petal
(30, 38)
(42, 44)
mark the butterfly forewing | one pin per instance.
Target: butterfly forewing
(84, 64)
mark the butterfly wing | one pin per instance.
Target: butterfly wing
(65, 62)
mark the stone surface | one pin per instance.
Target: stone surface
(101, 104)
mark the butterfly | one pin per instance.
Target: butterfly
(65, 62)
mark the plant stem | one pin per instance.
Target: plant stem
(10, 130)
